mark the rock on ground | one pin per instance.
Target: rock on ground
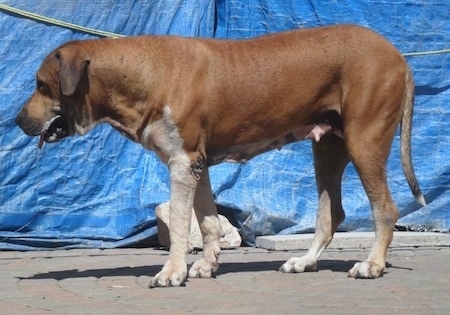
(231, 238)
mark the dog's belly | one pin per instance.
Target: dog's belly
(244, 152)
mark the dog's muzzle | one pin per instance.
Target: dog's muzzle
(53, 130)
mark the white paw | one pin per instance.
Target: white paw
(366, 270)
(203, 269)
(169, 276)
(302, 264)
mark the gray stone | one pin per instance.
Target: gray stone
(352, 240)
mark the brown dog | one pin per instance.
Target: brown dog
(197, 102)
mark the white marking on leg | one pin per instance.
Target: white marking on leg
(163, 137)
(322, 237)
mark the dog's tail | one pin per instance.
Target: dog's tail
(405, 140)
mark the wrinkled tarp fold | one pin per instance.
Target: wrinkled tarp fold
(101, 190)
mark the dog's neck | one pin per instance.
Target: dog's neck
(111, 102)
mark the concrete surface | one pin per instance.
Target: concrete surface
(115, 282)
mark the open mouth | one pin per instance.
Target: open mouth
(54, 130)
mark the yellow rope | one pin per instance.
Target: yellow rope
(58, 22)
(114, 35)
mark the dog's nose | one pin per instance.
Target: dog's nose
(30, 127)
(19, 119)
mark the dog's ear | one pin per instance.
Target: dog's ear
(73, 60)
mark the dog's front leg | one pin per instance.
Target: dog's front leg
(183, 186)
(208, 220)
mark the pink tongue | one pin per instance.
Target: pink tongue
(41, 140)
(45, 128)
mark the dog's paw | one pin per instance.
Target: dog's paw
(203, 269)
(366, 270)
(169, 277)
(302, 264)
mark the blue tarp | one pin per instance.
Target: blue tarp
(101, 190)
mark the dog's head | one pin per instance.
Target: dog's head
(59, 106)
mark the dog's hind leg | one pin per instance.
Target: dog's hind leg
(330, 160)
(370, 162)
(208, 220)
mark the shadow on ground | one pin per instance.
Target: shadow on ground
(332, 265)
